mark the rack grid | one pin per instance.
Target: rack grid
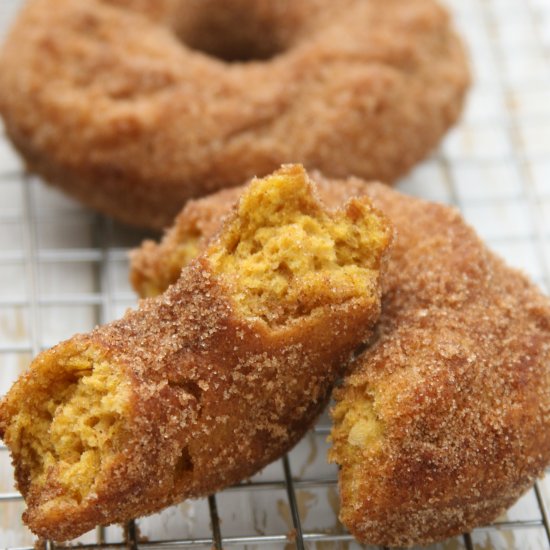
(63, 269)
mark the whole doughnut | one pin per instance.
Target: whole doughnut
(445, 419)
(135, 106)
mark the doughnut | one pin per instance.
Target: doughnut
(136, 106)
(204, 385)
(444, 420)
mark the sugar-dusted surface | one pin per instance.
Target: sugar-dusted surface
(202, 387)
(457, 175)
(456, 383)
(457, 379)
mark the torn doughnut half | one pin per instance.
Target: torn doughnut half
(204, 385)
(444, 420)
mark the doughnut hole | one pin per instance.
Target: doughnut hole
(284, 256)
(69, 425)
(237, 31)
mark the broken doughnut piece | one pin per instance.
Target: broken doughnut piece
(203, 386)
(444, 421)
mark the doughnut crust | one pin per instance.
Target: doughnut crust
(445, 419)
(136, 106)
(203, 386)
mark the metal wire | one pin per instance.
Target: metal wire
(298, 533)
(215, 519)
(482, 21)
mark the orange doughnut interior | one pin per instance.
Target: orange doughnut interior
(284, 255)
(357, 430)
(69, 422)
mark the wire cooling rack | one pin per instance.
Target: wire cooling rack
(64, 269)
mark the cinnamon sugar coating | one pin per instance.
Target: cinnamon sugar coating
(136, 106)
(199, 388)
(444, 420)
(456, 381)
